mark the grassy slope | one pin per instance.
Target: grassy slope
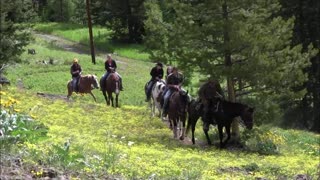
(103, 135)
(39, 77)
(101, 35)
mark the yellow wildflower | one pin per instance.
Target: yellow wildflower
(33, 116)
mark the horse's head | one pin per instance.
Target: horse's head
(247, 117)
(185, 98)
(95, 82)
(160, 86)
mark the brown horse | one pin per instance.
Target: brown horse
(86, 84)
(112, 86)
(177, 112)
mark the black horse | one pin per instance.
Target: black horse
(222, 114)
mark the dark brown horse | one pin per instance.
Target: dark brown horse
(177, 112)
(222, 116)
(112, 86)
(86, 84)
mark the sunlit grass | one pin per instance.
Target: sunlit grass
(101, 35)
(126, 142)
(39, 77)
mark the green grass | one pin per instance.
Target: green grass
(126, 142)
(52, 79)
(101, 36)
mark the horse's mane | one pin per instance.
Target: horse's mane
(234, 105)
(113, 74)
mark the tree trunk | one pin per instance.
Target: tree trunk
(61, 11)
(316, 96)
(130, 23)
(90, 32)
(228, 63)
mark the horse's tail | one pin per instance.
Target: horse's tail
(189, 119)
(188, 124)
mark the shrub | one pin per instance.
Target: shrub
(263, 141)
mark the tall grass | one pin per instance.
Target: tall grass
(102, 41)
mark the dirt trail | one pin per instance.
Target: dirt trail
(73, 46)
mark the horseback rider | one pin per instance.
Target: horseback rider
(156, 75)
(110, 66)
(169, 71)
(75, 71)
(174, 82)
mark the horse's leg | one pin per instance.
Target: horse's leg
(205, 130)
(117, 104)
(220, 135)
(228, 134)
(111, 98)
(151, 106)
(69, 90)
(193, 128)
(183, 129)
(170, 122)
(175, 128)
(95, 100)
(105, 97)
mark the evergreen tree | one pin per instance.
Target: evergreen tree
(79, 16)
(241, 42)
(13, 35)
(58, 10)
(306, 31)
(124, 17)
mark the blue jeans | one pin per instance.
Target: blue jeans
(166, 95)
(75, 81)
(149, 88)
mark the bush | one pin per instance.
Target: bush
(263, 141)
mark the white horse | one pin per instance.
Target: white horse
(154, 103)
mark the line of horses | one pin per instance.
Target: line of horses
(212, 109)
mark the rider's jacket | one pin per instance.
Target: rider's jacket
(110, 64)
(75, 70)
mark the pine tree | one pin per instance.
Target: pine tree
(306, 31)
(13, 36)
(243, 43)
(124, 17)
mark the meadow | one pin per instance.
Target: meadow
(101, 36)
(87, 140)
